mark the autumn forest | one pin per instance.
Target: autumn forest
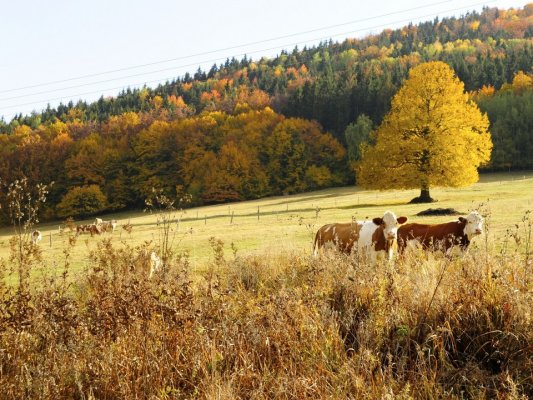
(248, 128)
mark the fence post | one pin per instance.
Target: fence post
(231, 220)
(205, 220)
(258, 213)
(50, 239)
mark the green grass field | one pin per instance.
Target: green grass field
(288, 223)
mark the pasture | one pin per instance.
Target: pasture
(287, 224)
(275, 322)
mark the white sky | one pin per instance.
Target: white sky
(63, 40)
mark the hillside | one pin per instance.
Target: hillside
(252, 128)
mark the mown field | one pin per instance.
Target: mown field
(287, 224)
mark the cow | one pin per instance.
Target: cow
(441, 236)
(342, 236)
(93, 229)
(373, 238)
(36, 236)
(106, 226)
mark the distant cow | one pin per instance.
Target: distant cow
(36, 236)
(441, 236)
(93, 229)
(373, 238)
(106, 226)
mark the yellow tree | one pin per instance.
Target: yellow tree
(432, 136)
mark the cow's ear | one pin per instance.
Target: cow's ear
(401, 220)
(462, 219)
(377, 221)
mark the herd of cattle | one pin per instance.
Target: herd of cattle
(374, 239)
(98, 227)
(149, 259)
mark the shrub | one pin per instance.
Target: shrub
(82, 201)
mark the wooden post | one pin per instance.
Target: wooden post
(258, 213)
(205, 220)
(231, 220)
(50, 239)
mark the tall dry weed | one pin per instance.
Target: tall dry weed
(284, 326)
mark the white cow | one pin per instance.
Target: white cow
(36, 236)
(106, 226)
(376, 237)
(370, 238)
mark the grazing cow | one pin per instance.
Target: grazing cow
(81, 229)
(441, 236)
(36, 236)
(106, 226)
(372, 237)
(93, 229)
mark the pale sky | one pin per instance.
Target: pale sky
(43, 42)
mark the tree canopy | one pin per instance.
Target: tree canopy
(433, 136)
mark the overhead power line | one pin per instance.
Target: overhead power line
(133, 85)
(223, 49)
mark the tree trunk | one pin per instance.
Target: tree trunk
(424, 196)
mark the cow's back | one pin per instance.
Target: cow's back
(431, 236)
(342, 235)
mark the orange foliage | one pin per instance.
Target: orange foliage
(178, 102)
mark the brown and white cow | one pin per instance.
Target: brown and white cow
(373, 238)
(36, 236)
(106, 226)
(93, 229)
(342, 236)
(441, 236)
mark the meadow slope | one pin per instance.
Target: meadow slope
(287, 224)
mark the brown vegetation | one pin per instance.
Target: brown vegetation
(275, 327)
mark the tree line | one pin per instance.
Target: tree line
(250, 128)
(213, 157)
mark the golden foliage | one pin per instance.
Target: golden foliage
(433, 135)
(522, 82)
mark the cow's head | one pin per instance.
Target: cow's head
(473, 224)
(390, 223)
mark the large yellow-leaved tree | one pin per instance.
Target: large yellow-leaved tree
(432, 136)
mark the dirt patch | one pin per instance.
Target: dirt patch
(439, 211)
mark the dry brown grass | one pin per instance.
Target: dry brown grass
(255, 326)
(287, 327)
